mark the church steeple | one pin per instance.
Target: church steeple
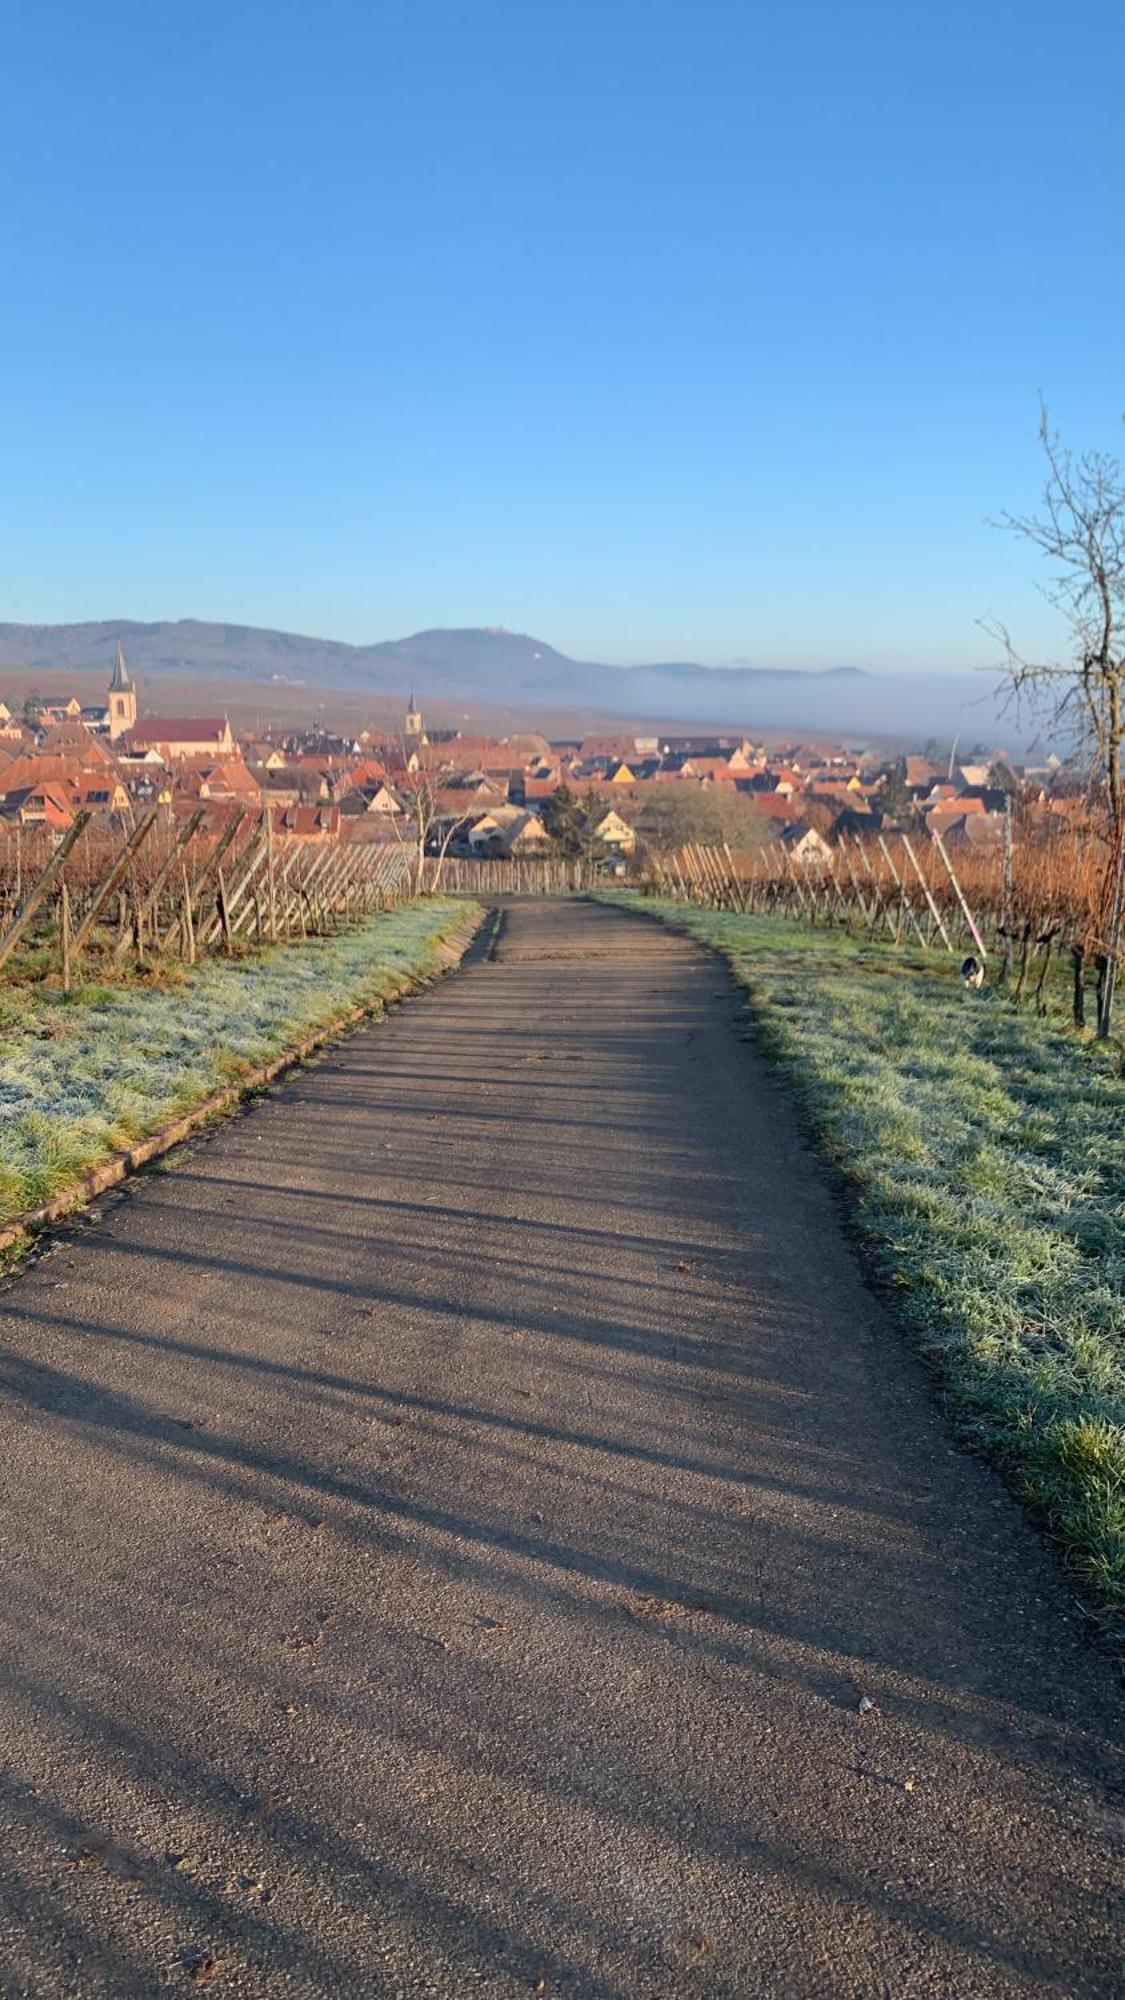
(122, 698)
(414, 718)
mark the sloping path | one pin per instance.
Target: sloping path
(452, 1517)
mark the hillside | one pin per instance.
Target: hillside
(491, 666)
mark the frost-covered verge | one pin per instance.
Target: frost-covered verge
(83, 1078)
(986, 1153)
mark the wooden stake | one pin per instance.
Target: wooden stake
(39, 889)
(148, 906)
(966, 912)
(188, 922)
(64, 935)
(221, 911)
(925, 887)
(101, 895)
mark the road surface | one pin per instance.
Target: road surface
(467, 1530)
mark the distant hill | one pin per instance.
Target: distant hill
(474, 665)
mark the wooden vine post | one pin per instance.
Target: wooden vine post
(116, 875)
(223, 914)
(39, 889)
(64, 935)
(958, 892)
(927, 892)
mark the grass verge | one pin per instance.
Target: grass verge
(985, 1154)
(84, 1077)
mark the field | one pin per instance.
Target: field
(984, 1151)
(85, 1075)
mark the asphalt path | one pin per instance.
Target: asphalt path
(467, 1529)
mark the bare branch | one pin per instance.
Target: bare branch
(1081, 532)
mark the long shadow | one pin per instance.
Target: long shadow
(214, 1920)
(465, 1923)
(631, 1566)
(528, 1428)
(625, 1336)
(716, 1611)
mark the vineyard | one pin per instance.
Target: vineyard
(524, 875)
(1040, 907)
(1046, 902)
(101, 896)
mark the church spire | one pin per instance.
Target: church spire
(122, 698)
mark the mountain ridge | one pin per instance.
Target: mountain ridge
(443, 652)
(478, 666)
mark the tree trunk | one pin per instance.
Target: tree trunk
(1078, 959)
(1025, 949)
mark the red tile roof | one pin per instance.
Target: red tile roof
(179, 729)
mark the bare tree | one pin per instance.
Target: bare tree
(688, 811)
(431, 827)
(1081, 532)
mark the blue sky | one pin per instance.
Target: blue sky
(697, 330)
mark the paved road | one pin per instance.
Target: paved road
(452, 1517)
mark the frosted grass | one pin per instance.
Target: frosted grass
(985, 1151)
(79, 1082)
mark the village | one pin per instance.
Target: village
(609, 797)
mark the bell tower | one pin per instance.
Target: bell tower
(414, 726)
(122, 699)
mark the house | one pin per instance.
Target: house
(63, 770)
(715, 770)
(505, 831)
(177, 736)
(775, 779)
(263, 756)
(58, 708)
(101, 791)
(975, 832)
(368, 772)
(607, 749)
(478, 753)
(229, 779)
(806, 845)
(857, 820)
(73, 739)
(378, 799)
(41, 805)
(921, 776)
(615, 833)
(309, 822)
(537, 790)
(943, 815)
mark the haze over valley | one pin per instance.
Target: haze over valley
(491, 668)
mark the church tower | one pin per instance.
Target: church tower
(414, 719)
(122, 699)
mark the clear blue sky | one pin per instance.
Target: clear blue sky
(700, 329)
